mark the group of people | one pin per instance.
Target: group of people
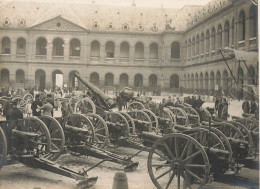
(221, 107)
(250, 107)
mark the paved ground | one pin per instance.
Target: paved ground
(18, 176)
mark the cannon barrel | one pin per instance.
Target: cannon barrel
(109, 102)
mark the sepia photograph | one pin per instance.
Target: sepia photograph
(129, 94)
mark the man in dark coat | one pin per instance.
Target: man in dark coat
(245, 106)
(253, 107)
(16, 113)
(7, 109)
(36, 103)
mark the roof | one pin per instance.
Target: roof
(85, 15)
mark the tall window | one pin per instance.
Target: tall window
(95, 49)
(202, 43)
(74, 47)
(197, 45)
(253, 21)
(58, 47)
(175, 50)
(124, 50)
(153, 51)
(193, 46)
(219, 36)
(6, 45)
(139, 50)
(226, 34)
(41, 46)
(241, 26)
(21, 46)
(110, 49)
(213, 39)
(207, 41)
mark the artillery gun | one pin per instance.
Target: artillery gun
(29, 142)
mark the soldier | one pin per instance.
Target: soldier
(16, 112)
(46, 108)
(245, 106)
(35, 104)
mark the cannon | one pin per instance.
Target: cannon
(29, 142)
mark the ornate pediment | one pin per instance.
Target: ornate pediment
(58, 24)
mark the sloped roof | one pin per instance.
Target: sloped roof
(85, 15)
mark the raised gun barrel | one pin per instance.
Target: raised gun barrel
(107, 101)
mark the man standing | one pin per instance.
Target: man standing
(46, 108)
(245, 106)
(7, 109)
(36, 103)
(252, 107)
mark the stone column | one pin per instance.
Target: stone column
(30, 48)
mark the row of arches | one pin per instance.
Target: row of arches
(223, 35)
(40, 79)
(210, 81)
(75, 48)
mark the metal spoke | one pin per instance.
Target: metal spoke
(55, 146)
(100, 129)
(170, 180)
(160, 165)
(168, 150)
(55, 139)
(101, 135)
(184, 150)
(55, 132)
(176, 147)
(185, 176)
(164, 157)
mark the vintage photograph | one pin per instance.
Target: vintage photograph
(129, 94)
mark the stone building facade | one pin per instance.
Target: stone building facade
(152, 49)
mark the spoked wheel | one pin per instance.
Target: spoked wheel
(3, 148)
(193, 115)
(21, 103)
(135, 106)
(177, 157)
(81, 121)
(173, 117)
(167, 119)
(72, 102)
(85, 106)
(130, 121)
(142, 121)
(205, 114)
(100, 129)
(181, 116)
(28, 98)
(57, 136)
(153, 118)
(249, 123)
(36, 126)
(120, 122)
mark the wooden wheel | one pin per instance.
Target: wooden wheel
(120, 122)
(100, 129)
(84, 106)
(251, 124)
(246, 134)
(205, 114)
(142, 121)
(81, 121)
(135, 106)
(167, 119)
(28, 98)
(72, 102)
(3, 148)
(21, 103)
(223, 138)
(173, 117)
(130, 121)
(36, 126)
(181, 116)
(194, 117)
(57, 136)
(153, 117)
(177, 156)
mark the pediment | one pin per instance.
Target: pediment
(58, 24)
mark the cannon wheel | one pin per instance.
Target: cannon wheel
(57, 136)
(118, 118)
(193, 113)
(130, 121)
(35, 125)
(135, 106)
(250, 124)
(81, 121)
(3, 148)
(141, 116)
(28, 98)
(246, 134)
(100, 129)
(180, 115)
(223, 139)
(72, 102)
(153, 118)
(183, 157)
(21, 103)
(85, 106)
(173, 117)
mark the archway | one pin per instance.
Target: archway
(109, 79)
(40, 79)
(73, 80)
(5, 77)
(153, 81)
(123, 80)
(20, 78)
(174, 81)
(212, 83)
(57, 79)
(94, 78)
(138, 81)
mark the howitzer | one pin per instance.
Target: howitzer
(102, 100)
